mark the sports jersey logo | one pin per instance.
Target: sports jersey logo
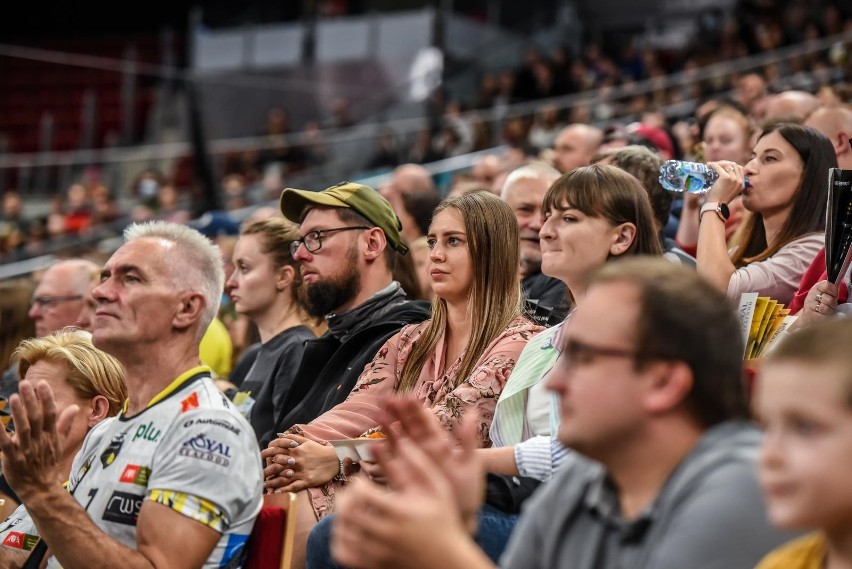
(204, 447)
(20, 540)
(189, 403)
(135, 474)
(227, 425)
(111, 451)
(147, 432)
(123, 508)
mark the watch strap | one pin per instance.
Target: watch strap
(721, 209)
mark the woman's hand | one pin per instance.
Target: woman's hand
(294, 468)
(730, 183)
(820, 304)
(274, 465)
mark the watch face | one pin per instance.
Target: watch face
(723, 209)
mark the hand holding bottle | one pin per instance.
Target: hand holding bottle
(730, 184)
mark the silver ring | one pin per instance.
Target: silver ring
(819, 298)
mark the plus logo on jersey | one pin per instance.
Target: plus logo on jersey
(147, 432)
(189, 403)
(135, 474)
(123, 508)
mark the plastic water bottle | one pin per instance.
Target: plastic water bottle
(691, 177)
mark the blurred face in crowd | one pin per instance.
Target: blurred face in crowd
(573, 149)
(807, 446)
(86, 318)
(774, 175)
(255, 283)
(595, 377)
(725, 139)
(58, 299)
(525, 197)
(450, 265)
(330, 275)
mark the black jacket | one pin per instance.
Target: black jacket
(330, 368)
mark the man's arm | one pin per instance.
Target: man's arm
(77, 542)
(29, 460)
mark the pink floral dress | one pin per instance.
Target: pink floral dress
(477, 393)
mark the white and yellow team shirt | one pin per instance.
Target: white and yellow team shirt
(18, 531)
(189, 450)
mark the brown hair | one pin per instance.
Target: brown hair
(808, 212)
(684, 318)
(495, 294)
(15, 322)
(644, 165)
(275, 235)
(610, 193)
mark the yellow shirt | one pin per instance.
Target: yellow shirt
(807, 552)
(216, 349)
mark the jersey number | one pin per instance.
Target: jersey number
(92, 493)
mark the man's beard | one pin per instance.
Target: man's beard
(327, 295)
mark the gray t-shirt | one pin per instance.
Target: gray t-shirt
(709, 515)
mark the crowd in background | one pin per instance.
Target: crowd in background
(456, 126)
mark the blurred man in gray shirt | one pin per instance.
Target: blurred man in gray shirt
(652, 401)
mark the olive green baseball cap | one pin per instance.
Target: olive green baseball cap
(363, 199)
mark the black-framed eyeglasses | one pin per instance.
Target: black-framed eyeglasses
(581, 353)
(51, 301)
(312, 240)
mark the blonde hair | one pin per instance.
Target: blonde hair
(495, 294)
(91, 372)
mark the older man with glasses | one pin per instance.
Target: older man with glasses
(62, 298)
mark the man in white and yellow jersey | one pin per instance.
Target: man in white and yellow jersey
(175, 479)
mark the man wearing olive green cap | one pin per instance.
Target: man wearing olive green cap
(349, 237)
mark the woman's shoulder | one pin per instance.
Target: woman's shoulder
(804, 247)
(522, 327)
(409, 333)
(814, 240)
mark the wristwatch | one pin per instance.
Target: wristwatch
(720, 208)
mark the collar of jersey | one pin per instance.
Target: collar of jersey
(172, 387)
